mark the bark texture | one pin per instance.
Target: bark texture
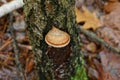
(41, 15)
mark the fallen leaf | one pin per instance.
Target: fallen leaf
(111, 36)
(101, 73)
(112, 19)
(111, 6)
(91, 47)
(79, 3)
(29, 65)
(110, 63)
(113, 0)
(93, 73)
(90, 19)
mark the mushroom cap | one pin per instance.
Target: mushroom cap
(57, 38)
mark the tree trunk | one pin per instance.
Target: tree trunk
(41, 15)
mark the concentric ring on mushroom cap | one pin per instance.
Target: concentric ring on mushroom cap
(57, 38)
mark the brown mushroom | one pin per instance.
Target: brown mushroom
(57, 38)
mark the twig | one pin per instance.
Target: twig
(95, 38)
(25, 46)
(9, 7)
(5, 27)
(4, 45)
(16, 51)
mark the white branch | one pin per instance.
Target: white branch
(9, 7)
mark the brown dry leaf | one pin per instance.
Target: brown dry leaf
(113, 0)
(112, 20)
(91, 47)
(1, 3)
(101, 73)
(29, 65)
(93, 73)
(90, 19)
(110, 63)
(111, 6)
(9, 0)
(111, 36)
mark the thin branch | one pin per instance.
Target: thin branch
(95, 38)
(9, 7)
(6, 44)
(25, 46)
(16, 50)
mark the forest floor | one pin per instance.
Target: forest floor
(97, 16)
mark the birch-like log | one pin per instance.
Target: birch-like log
(9, 7)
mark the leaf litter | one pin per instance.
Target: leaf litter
(102, 64)
(8, 70)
